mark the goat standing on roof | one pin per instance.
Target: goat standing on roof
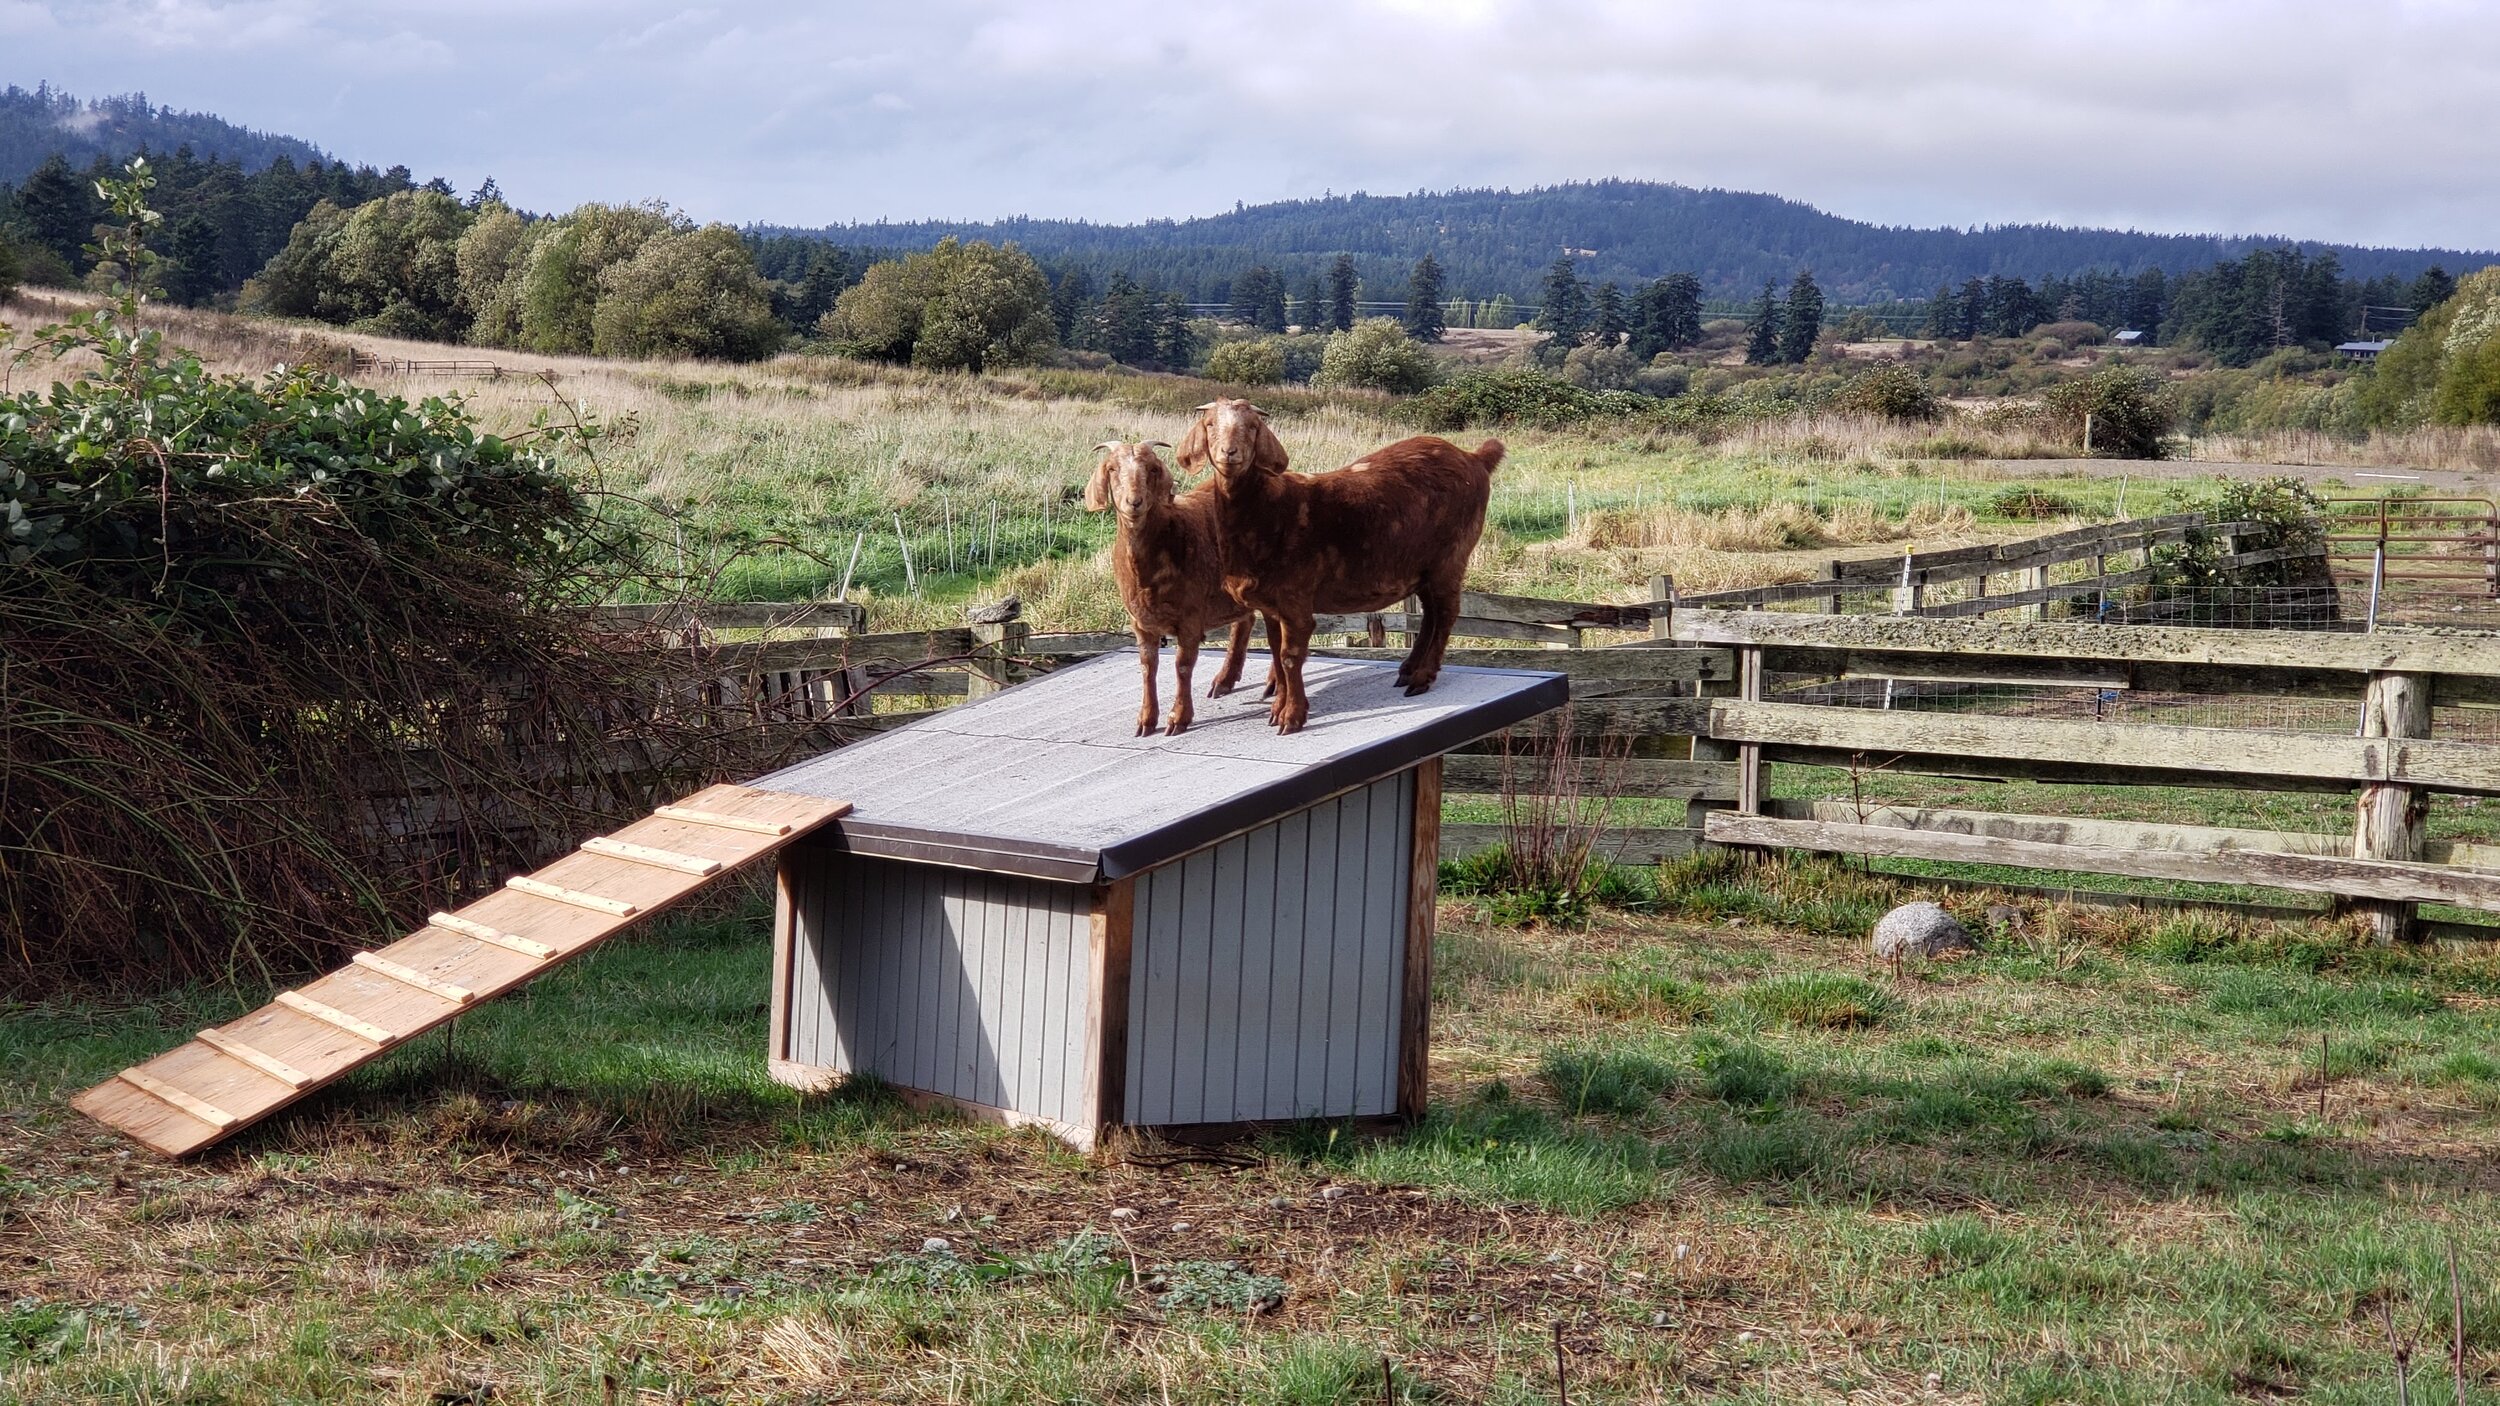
(1400, 521)
(1170, 573)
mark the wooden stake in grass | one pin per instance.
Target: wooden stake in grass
(1389, 1383)
(2322, 1076)
(2456, 1325)
(1562, 1378)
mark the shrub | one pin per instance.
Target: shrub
(1509, 395)
(2131, 412)
(1601, 368)
(1257, 363)
(1376, 355)
(692, 293)
(1892, 393)
(959, 306)
(2074, 334)
(12, 269)
(2030, 504)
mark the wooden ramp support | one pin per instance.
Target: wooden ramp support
(234, 1075)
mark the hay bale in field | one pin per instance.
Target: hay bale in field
(1920, 930)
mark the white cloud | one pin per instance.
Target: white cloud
(2328, 120)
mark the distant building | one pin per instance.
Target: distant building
(2129, 338)
(2362, 351)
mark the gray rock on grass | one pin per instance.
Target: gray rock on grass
(1920, 930)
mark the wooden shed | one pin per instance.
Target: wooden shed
(1039, 918)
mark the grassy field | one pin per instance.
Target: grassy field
(1706, 1147)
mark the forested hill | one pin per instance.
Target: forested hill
(1500, 241)
(35, 125)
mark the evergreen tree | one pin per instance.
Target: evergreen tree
(1175, 342)
(2434, 287)
(1310, 311)
(1607, 321)
(487, 193)
(1426, 319)
(1944, 313)
(1566, 310)
(1666, 315)
(59, 209)
(1341, 293)
(1071, 299)
(1803, 320)
(1762, 329)
(1259, 299)
(1970, 309)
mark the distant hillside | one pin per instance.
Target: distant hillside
(1500, 241)
(34, 125)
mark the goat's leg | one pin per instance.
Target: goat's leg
(1149, 648)
(1295, 703)
(1273, 654)
(1184, 659)
(1423, 662)
(1235, 649)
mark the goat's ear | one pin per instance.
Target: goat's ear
(1270, 454)
(1098, 488)
(1192, 453)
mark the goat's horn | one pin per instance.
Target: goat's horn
(1106, 446)
(1210, 405)
(1158, 444)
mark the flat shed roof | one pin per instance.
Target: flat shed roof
(1045, 778)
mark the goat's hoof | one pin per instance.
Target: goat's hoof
(1218, 689)
(1179, 726)
(1146, 725)
(1414, 688)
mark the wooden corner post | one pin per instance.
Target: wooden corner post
(2392, 816)
(1423, 897)
(999, 641)
(1114, 939)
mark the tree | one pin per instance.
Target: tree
(1803, 320)
(693, 293)
(2434, 287)
(1762, 328)
(1259, 363)
(59, 209)
(389, 265)
(1666, 316)
(957, 307)
(1378, 355)
(1341, 293)
(487, 193)
(1944, 313)
(1259, 299)
(1426, 318)
(1970, 310)
(491, 260)
(1566, 310)
(1607, 319)
(1601, 366)
(11, 269)
(559, 292)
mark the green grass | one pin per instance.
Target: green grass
(1707, 1144)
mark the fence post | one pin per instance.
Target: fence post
(2037, 579)
(998, 641)
(1662, 607)
(2392, 815)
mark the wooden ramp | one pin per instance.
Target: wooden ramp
(232, 1076)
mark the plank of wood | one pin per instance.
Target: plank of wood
(259, 1059)
(1929, 668)
(1423, 880)
(1614, 664)
(364, 1030)
(2381, 879)
(492, 937)
(558, 893)
(652, 855)
(198, 1108)
(1621, 844)
(723, 821)
(2446, 766)
(309, 1038)
(1631, 776)
(2388, 649)
(411, 977)
(1530, 610)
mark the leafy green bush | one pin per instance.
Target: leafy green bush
(967, 307)
(1376, 355)
(240, 614)
(2030, 504)
(1252, 363)
(2445, 368)
(1893, 392)
(2131, 412)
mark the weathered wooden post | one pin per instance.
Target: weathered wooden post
(1662, 607)
(2392, 814)
(998, 634)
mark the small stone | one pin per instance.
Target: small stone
(1681, 1250)
(935, 1245)
(1179, 1225)
(1124, 1213)
(1280, 1203)
(1935, 1381)
(1748, 1338)
(1332, 1193)
(1920, 930)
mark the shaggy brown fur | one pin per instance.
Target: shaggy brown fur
(1170, 573)
(1399, 521)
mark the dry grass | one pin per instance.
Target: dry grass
(2457, 448)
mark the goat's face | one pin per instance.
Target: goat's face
(1232, 437)
(1131, 479)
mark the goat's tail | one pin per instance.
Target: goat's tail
(1490, 455)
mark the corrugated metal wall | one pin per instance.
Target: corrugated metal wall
(949, 980)
(1267, 971)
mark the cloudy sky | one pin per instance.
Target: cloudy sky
(2359, 120)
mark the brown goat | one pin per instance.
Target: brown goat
(1170, 573)
(1399, 521)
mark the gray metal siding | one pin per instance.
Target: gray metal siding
(949, 980)
(1267, 971)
